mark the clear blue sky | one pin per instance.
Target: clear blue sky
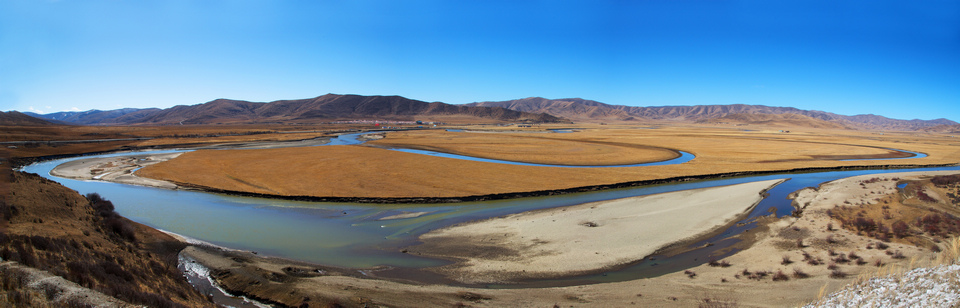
(900, 59)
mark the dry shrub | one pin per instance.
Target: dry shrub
(837, 273)
(716, 302)
(780, 276)
(799, 274)
(786, 260)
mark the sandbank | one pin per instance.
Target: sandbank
(119, 169)
(404, 215)
(586, 237)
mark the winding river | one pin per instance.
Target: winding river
(355, 236)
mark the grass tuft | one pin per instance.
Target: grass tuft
(799, 274)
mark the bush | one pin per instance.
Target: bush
(900, 229)
(923, 196)
(898, 255)
(945, 180)
(111, 220)
(864, 224)
(8, 211)
(798, 274)
(837, 273)
(102, 206)
(780, 276)
(786, 260)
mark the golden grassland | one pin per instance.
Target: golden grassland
(540, 148)
(37, 141)
(366, 171)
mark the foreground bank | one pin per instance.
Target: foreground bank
(793, 261)
(58, 232)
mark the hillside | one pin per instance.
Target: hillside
(93, 116)
(946, 129)
(330, 107)
(784, 120)
(14, 118)
(591, 111)
(51, 228)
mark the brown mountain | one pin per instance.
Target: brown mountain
(946, 129)
(14, 118)
(578, 109)
(328, 107)
(785, 120)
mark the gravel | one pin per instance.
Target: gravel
(922, 287)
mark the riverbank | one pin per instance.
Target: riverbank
(584, 238)
(745, 278)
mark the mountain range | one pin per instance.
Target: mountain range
(330, 107)
(333, 107)
(582, 110)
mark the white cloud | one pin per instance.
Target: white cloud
(73, 109)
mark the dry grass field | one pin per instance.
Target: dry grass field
(38, 141)
(369, 172)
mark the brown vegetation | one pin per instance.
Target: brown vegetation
(912, 216)
(52, 228)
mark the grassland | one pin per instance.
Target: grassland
(24, 142)
(370, 172)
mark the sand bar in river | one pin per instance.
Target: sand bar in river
(586, 237)
(119, 169)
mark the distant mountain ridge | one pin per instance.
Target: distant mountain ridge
(578, 109)
(322, 108)
(15, 118)
(529, 110)
(783, 119)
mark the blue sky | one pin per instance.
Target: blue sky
(899, 59)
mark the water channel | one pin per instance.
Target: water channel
(352, 235)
